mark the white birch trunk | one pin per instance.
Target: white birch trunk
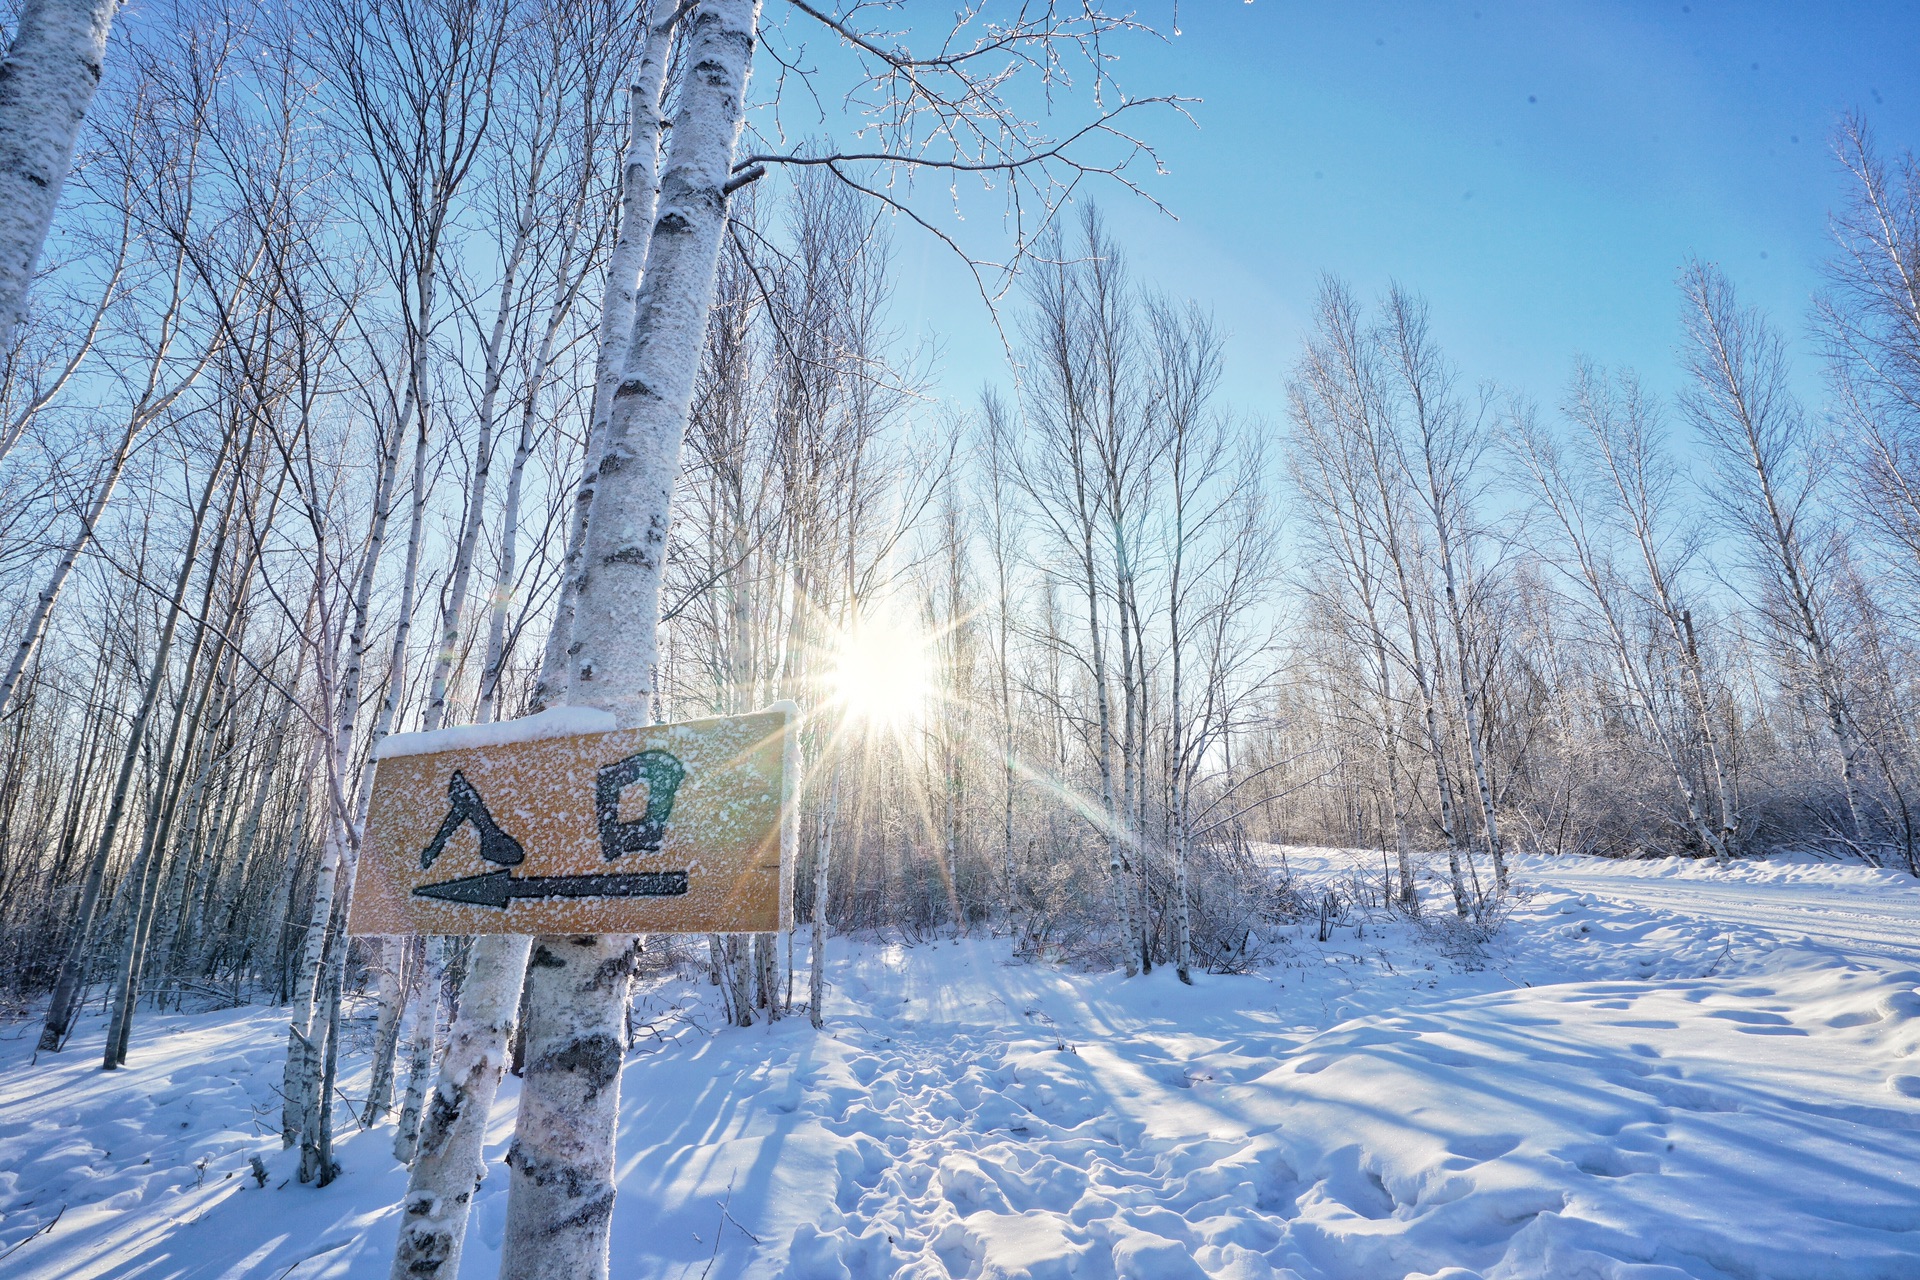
(390, 999)
(302, 1052)
(447, 1163)
(1132, 788)
(1003, 627)
(316, 1144)
(618, 605)
(1703, 716)
(402, 630)
(1396, 795)
(1470, 706)
(334, 858)
(1116, 865)
(389, 995)
(1177, 799)
(1430, 717)
(562, 1194)
(639, 196)
(567, 285)
(739, 978)
(426, 1038)
(450, 619)
(562, 1198)
(47, 83)
(503, 581)
(766, 970)
(306, 976)
(817, 943)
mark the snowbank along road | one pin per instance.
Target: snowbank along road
(1656, 1071)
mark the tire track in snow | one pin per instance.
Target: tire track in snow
(1871, 921)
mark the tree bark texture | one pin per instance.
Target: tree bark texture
(562, 1195)
(47, 82)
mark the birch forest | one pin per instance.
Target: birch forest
(372, 344)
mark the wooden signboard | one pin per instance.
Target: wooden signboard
(677, 828)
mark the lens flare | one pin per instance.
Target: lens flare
(882, 673)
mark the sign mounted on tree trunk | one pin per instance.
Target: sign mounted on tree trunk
(673, 828)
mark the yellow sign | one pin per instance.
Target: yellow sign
(676, 828)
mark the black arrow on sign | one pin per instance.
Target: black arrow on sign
(497, 888)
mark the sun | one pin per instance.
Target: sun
(882, 674)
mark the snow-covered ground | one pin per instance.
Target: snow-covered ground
(1658, 1070)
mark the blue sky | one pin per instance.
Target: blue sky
(1539, 172)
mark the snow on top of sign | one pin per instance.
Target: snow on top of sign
(554, 722)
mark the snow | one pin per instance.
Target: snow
(554, 722)
(1857, 908)
(1655, 1071)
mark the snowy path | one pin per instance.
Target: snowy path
(1863, 913)
(1638, 1081)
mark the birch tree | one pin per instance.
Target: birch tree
(1441, 446)
(1363, 490)
(562, 1156)
(1336, 406)
(1213, 537)
(1619, 442)
(1588, 561)
(47, 82)
(1740, 405)
(1060, 476)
